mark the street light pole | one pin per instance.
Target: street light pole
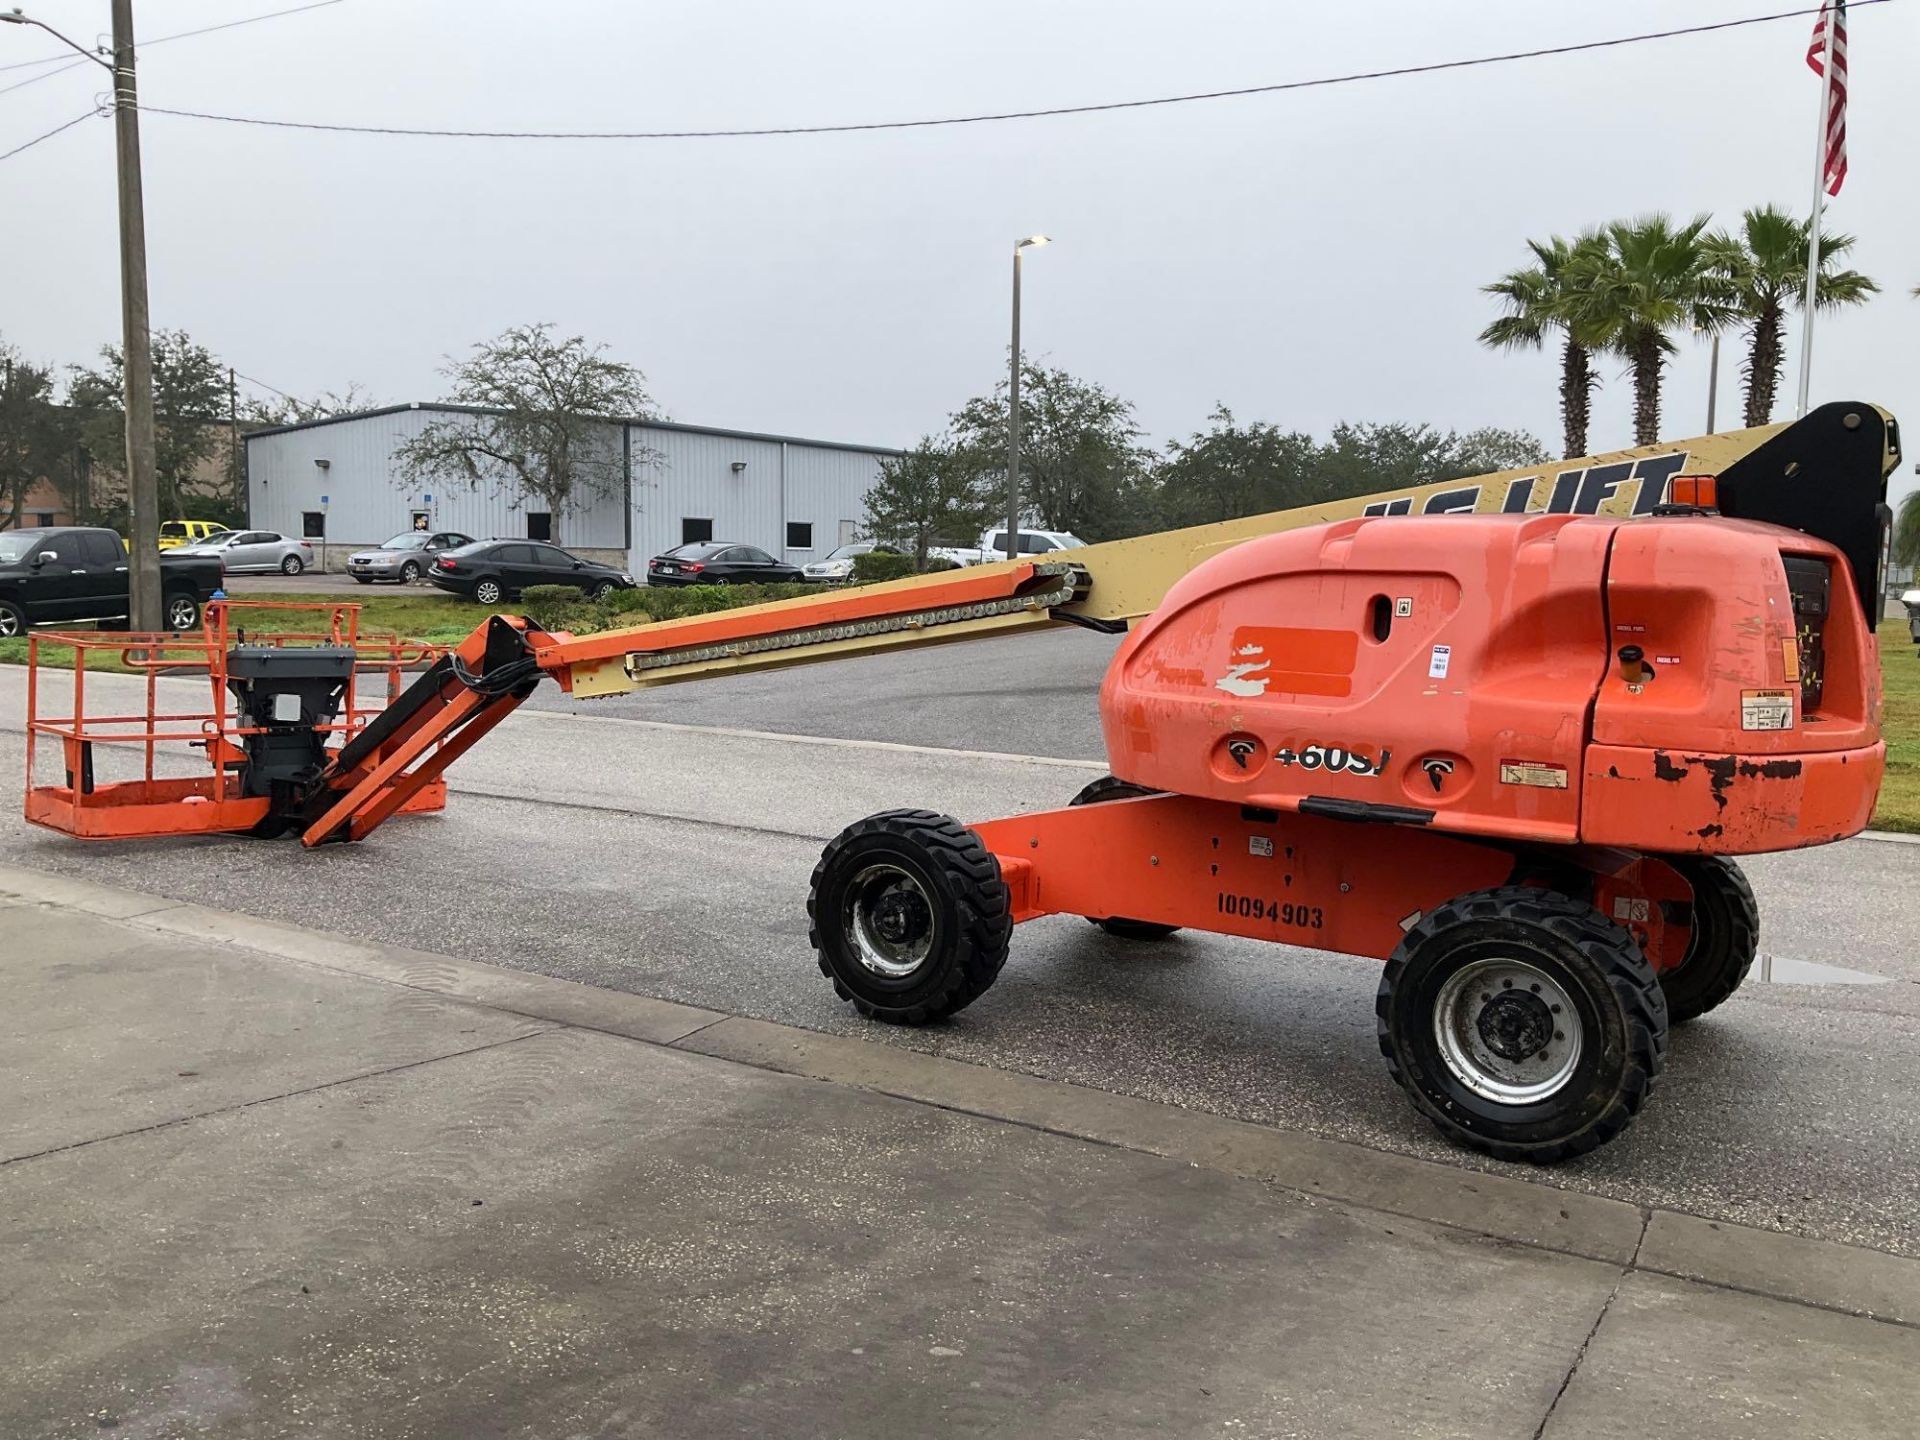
(136, 341)
(1013, 408)
(1713, 380)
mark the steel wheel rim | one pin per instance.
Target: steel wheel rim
(486, 592)
(181, 614)
(1507, 1030)
(888, 921)
(409, 573)
(10, 626)
(290, 565)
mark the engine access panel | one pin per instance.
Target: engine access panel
(1431, 669)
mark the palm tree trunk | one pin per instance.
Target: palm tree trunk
(1576, 397)
(1644, 351)
(1764, 357)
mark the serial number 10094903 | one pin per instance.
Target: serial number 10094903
(1280, 912)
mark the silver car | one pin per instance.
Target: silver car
(240, 550)
(404, 558)
(837, 567)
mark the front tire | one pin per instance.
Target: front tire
(13, 620)
(292, 565)
(602, 590)
(1724, 939)
(1098, 792)
(1523, 1023)
(410, 573)
(489, 592)
(909, 916)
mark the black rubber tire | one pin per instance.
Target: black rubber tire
(410, 572)
(292, 565)
(1726, 936)
(182, 621)
(13, 620)
(971, 916)
(1098, 792)
(500, 592)
(1614, 991)
(602, 590)
(364, 579)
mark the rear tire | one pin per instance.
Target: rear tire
(364, 579)
(13, 620)
(489, 592)
(1726, 935)
(1523, 1023)
(909, 916)
(292, 565)
(1098, 792)
(181, 611)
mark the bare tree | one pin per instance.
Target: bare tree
(545, 405)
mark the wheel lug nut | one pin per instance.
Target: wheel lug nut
(1535, 987)
(1559, 1035)
(1556, 1009)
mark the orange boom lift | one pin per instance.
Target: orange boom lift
(1510, 752)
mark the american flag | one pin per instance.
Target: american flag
(1835, 169)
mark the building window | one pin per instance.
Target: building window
(313, 524)
(420, 520)
(799, 535)
(539, 525)
(694, 531)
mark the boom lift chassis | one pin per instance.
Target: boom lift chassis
(1531, 972)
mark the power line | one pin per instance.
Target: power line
(189, 34)
(84, 115)
(1318, 83)
(265, 386)
(43, 75)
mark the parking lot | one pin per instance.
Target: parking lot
(661, 845)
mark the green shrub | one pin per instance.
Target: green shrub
(878, 565)
(556, 607)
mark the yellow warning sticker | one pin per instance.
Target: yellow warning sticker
(1533, 772)
(1766, 709)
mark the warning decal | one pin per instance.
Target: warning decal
(1766, 709)
(1533, 772)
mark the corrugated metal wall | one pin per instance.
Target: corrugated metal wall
(678, 474)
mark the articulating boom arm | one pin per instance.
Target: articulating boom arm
(1825, 474)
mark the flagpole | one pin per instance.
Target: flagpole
(1811, 297)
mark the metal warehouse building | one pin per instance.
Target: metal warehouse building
(336, 482)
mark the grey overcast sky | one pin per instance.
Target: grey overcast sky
(1303, 258)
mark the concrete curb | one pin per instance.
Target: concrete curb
(1850, 1279)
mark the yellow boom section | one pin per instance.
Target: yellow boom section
(1104, 586)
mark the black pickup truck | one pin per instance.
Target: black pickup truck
(52, 576)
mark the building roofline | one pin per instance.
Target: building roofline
(638, 423)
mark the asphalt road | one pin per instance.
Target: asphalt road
(662, 845)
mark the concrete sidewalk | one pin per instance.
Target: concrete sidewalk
(259, 1181)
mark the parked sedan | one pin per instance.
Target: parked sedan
(837, 568)
(719, 562)
(494, 570)
(240, 550)
(405, 558)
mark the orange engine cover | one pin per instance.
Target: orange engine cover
(1466, 671)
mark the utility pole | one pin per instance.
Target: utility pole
(136, 346)
(136, 338)
(233, 444)
(1013, 408)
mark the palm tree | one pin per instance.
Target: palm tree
(1539, 301)
(1906, 531)
(1765, 267)
(1651, 277)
